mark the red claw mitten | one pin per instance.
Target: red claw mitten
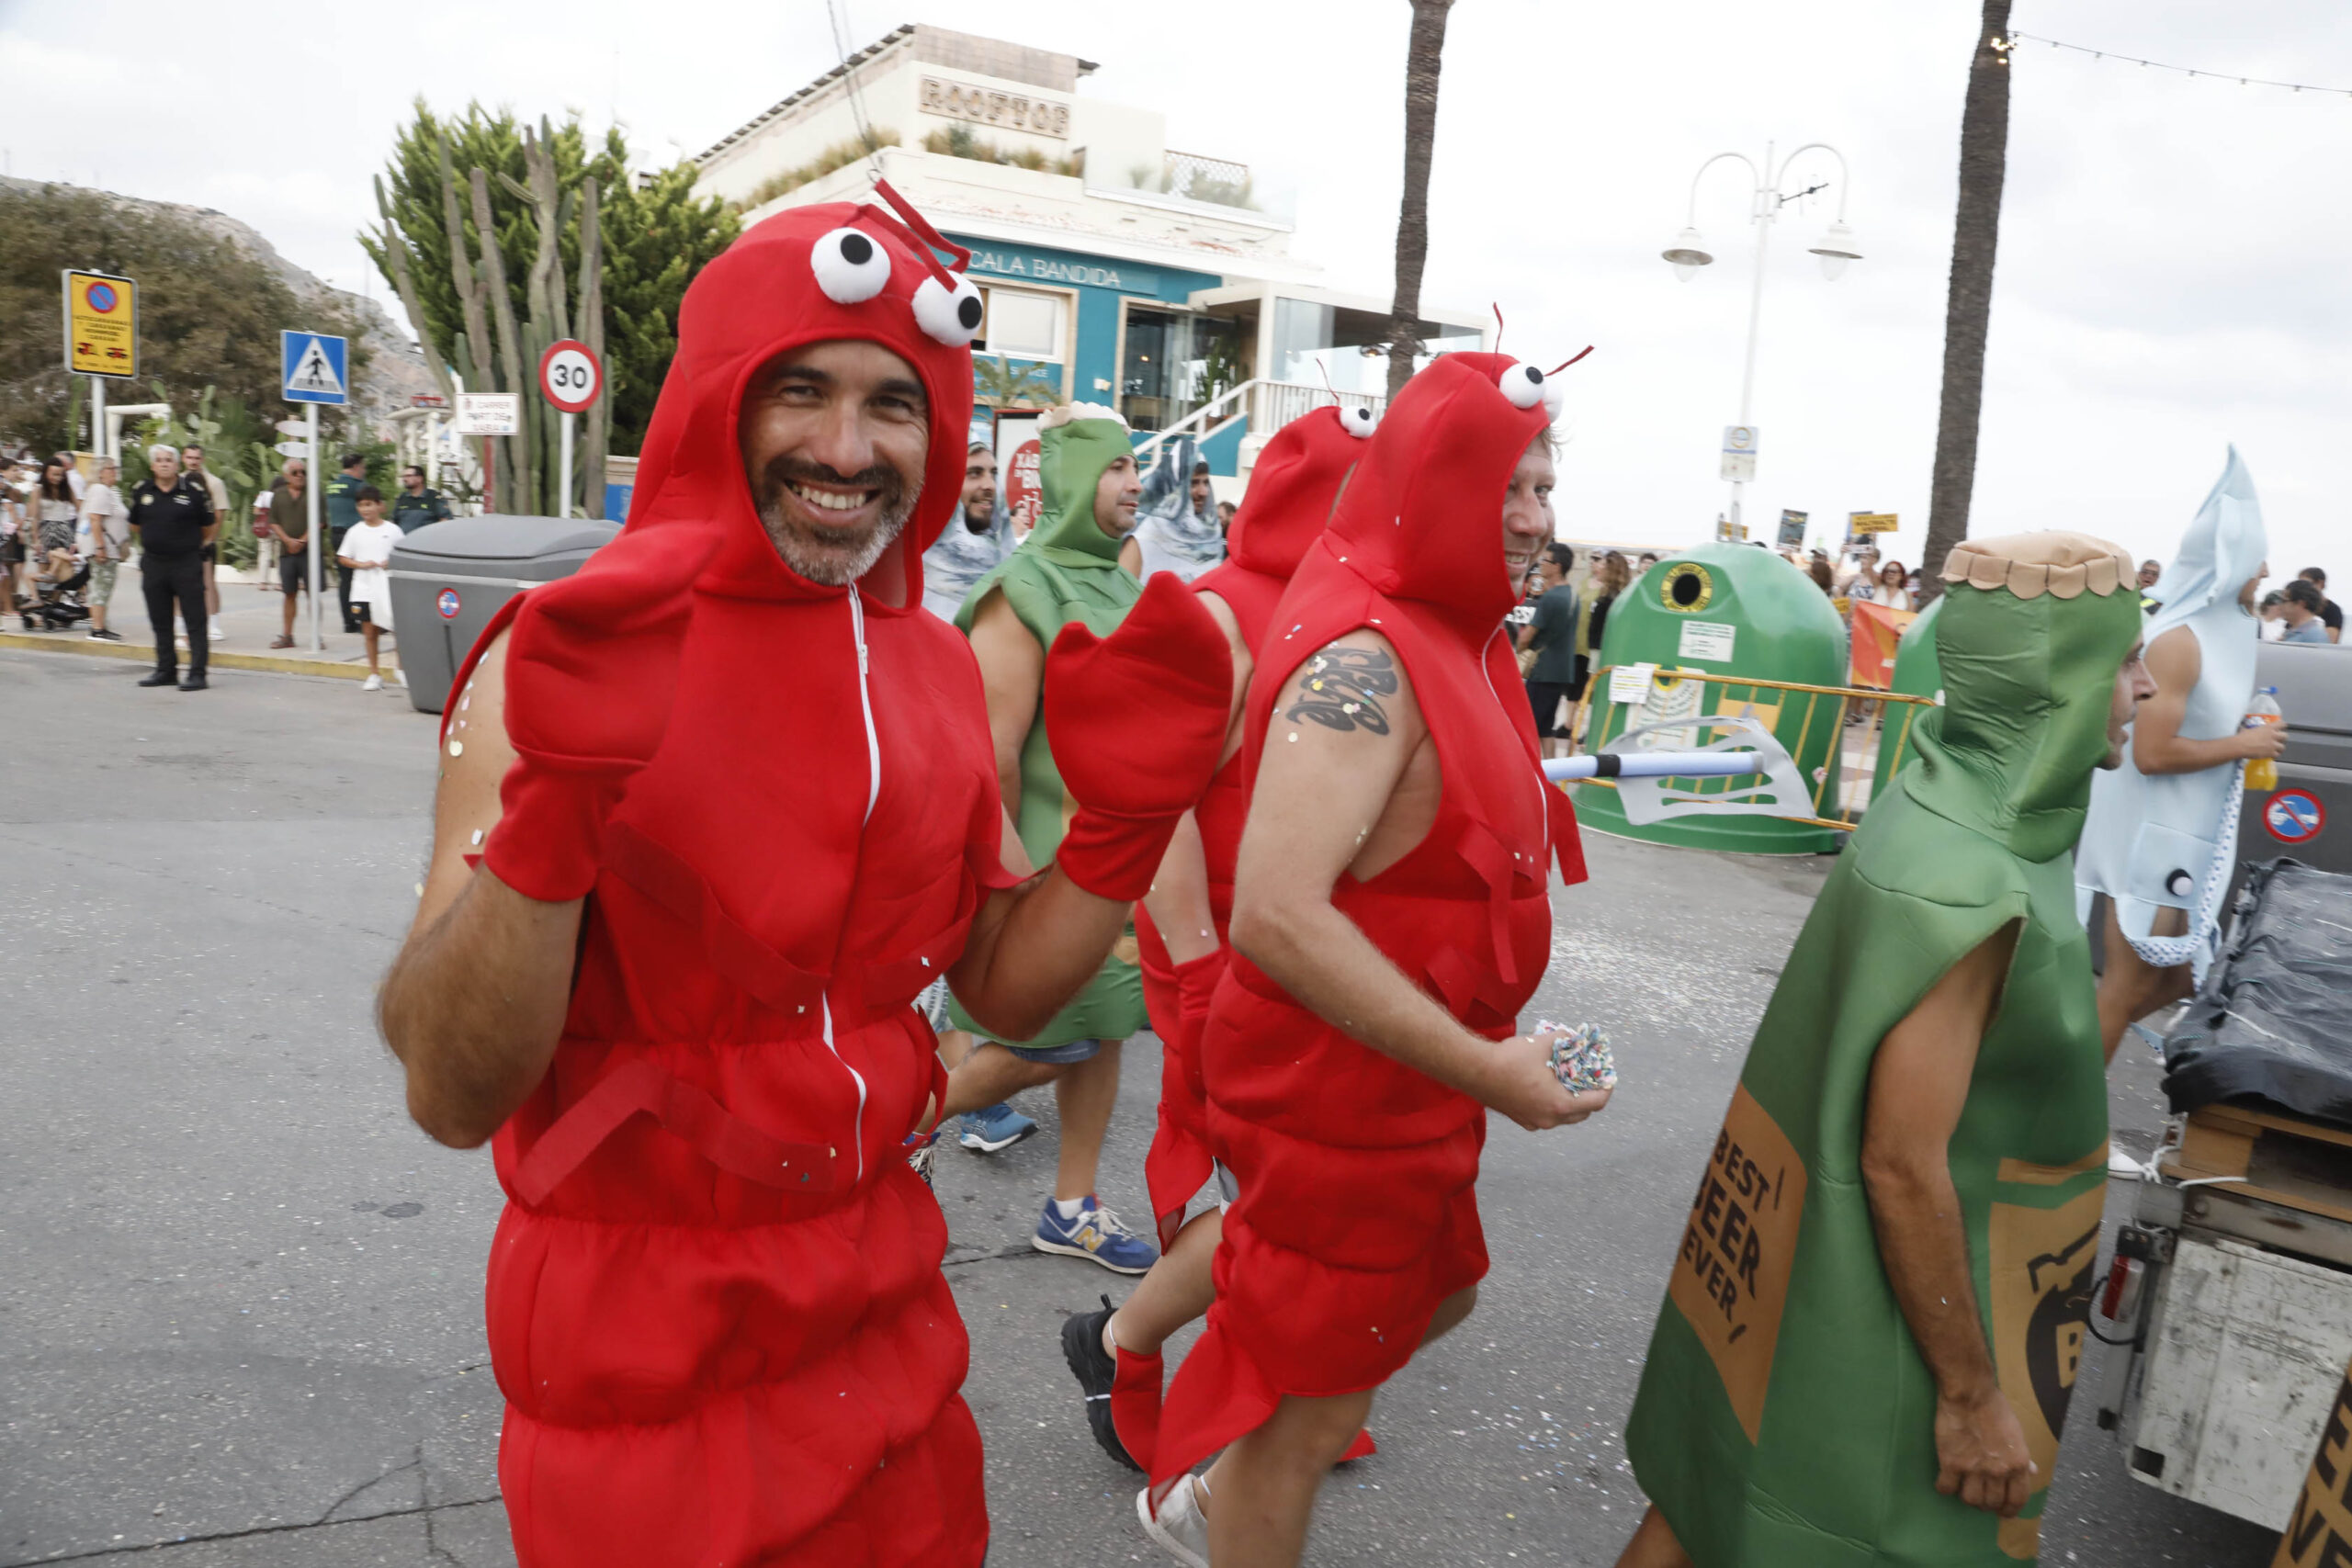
(1137, 721)
(592, 665)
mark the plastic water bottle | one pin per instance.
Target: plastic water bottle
(2262, 772)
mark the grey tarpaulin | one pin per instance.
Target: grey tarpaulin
(2273, 1018)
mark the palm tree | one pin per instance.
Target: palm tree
(1976, 236)
(1422, 50)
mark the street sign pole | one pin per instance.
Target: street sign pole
(318, 536)
(98, 417)
(314, 368)
(563, 467)
(571, 379)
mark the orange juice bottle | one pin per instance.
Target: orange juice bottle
(2263, 773)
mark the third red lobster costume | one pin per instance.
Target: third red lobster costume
(1357, 1215)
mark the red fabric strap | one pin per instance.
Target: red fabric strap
(720, 1136)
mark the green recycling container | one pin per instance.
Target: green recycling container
(1726, 610)
(1918, 673)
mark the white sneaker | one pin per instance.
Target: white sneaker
(402, 676)
(1179, 1525)
(217, 631)
(373, 683)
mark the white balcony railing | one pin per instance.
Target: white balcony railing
(1265, 405)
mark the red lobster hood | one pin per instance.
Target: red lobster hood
(1421, 518)
(760, 297)
(1291, 490)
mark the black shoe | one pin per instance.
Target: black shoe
(162, 677)
(1096, 1371)
(195, 682)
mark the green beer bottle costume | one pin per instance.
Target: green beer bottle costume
(1785, 1417)
(1068, 569)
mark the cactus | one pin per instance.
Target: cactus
(494, 351)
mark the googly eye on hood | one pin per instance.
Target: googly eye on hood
(1523, 385)
(1360, 421)
(850, 266)
(950, 316)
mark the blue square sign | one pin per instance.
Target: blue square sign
(314, 367)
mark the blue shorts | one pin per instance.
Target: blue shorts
(1055, 1055)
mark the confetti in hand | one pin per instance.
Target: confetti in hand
(1580, 1056)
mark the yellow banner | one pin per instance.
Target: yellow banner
(1870, 523)
(101, 325)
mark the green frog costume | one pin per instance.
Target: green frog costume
(1068, 569)
(1785, 1417)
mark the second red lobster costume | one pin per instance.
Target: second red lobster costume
(1357, 1215)
(1291, 492)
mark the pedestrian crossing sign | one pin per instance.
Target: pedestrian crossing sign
(315, 367)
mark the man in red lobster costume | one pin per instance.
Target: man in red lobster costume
(735, 805)
(1182, 930)
(1391, 915)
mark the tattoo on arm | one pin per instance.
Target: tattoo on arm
(1342, 688)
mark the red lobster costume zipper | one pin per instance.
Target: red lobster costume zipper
(715, 1305)
(1357, 1215)
(1291, 490)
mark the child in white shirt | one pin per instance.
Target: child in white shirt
(367, 549)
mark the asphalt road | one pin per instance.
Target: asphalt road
(240, 1295)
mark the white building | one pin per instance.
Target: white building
(1115, 268)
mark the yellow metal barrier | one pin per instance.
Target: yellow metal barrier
(1842, 813)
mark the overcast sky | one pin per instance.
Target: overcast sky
(2171, 268)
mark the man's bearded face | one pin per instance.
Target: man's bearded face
(834, 436)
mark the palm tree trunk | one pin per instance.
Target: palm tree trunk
(1423, 53)
(1976, 236)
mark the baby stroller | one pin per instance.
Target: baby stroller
(57, 602)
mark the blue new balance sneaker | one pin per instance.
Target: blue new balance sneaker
(1096, 1234)
(992, 1128)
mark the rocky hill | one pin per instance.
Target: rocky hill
(396, 369)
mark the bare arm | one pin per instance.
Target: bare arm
(1918, 1085)
(475, 1001)
(1013, 677)
(1032, 948)
(2157, 744)
(1346, 727)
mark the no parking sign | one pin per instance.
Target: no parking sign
(2293, 817)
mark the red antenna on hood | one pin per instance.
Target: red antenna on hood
(1566, 363)
(920, 233)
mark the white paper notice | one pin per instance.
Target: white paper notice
(1711, 640)
(1631, 682)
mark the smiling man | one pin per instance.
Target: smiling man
(1066, 572)
(1875, 1314)
(712, 813)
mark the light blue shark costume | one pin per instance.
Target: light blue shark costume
(1171, 535)
(2169, 841)
(961, 558)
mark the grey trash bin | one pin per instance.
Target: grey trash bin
(449, 579)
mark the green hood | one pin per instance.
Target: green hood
(2027, 683)
(1070, 463)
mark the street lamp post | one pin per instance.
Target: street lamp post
(1836, 247)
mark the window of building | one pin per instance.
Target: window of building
(1023, 324)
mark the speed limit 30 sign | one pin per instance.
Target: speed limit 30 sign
(569, 376)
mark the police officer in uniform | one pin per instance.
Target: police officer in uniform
(174, 516)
